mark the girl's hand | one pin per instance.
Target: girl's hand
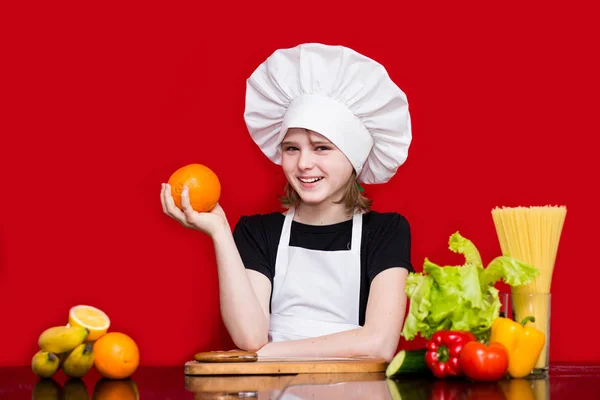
(209, 222)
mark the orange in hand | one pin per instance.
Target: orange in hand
(116, 355)
(203, 184)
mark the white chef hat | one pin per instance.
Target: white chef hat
(335, 91)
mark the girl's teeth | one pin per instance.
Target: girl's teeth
(310, 180)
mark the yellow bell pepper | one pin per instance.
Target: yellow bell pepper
(524, 344)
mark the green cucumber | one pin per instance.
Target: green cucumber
(407, 362)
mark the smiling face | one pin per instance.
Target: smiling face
(315, 168)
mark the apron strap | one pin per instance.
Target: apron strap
(281, 264)
(356, 233)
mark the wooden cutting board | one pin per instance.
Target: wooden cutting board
(241, 363)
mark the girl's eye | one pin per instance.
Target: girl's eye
(290, 148)
(323, 148)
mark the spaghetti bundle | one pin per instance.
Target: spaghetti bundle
(532, 235)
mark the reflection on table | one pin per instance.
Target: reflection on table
(565, 381)
(76, 389)
(361, 386)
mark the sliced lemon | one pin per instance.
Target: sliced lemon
(92, 318)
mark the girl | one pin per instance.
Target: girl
(327, 277)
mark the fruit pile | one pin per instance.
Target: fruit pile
(84, 343)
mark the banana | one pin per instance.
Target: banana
(79, 361)
(44, 364)
(60, 339)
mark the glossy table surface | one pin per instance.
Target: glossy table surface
(564, 381)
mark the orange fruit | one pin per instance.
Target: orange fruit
(107, 389)
(203, 184)
(116, 355)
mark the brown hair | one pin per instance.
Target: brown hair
(352, 197)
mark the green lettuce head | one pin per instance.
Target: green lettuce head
(460, 297)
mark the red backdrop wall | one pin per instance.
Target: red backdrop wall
(103, 102)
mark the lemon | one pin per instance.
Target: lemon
(92, 318)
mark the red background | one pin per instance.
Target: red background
(103, 102)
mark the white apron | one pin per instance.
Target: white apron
(315, 292)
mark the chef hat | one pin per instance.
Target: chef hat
(334, 91)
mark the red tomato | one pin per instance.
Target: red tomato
(484, 363)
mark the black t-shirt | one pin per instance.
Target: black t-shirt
(385, 243)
